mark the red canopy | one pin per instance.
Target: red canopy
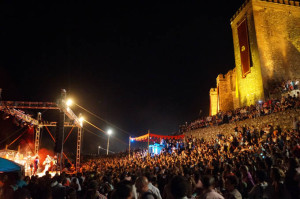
(153, 137)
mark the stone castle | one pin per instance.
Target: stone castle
(266, 39)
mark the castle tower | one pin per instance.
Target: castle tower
(225, 102)
(213, 98)
(223, 98)
(266, 39)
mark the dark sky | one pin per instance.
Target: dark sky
(138, 64)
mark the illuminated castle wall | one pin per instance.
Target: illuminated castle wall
(272, 41)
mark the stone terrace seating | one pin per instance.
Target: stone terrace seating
(284, 119)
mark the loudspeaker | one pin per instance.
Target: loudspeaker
(59, 133)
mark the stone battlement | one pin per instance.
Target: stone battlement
(285, 2)
(227, 76)
(239, 10)
(213, 90)
(220, 77)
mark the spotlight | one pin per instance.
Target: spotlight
(109, 132)
(81, 119)
(69, 102)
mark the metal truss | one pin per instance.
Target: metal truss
(12, 108)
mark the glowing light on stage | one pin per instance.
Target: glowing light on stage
(81, 119)
(69, 102)
(51, 173)
(109, 132)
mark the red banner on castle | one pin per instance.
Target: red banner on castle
(244, 47)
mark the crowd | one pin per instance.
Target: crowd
(247, 112)
(250, 163)
(285, 86)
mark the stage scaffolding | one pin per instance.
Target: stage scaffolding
(12, 108)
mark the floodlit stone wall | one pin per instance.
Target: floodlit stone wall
(283, 119)
(277, 26)
(226, 85)
(234, 91)
(213, 109)
(250, 89)
(274, 40)
(225, 99)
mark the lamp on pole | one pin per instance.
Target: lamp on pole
(109, 132)
(99, 147)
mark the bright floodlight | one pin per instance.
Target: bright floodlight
(109, 132)
(69, 102)
(81, 119)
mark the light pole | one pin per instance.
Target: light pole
(99, 147)
(109, 132)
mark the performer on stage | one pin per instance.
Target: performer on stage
(36, 163)
(31, 169)
(54, 163)
(47, 162)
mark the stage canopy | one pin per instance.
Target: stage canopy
(9, 166)
(154, 137)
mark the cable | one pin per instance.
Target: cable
(69, 134)
(104, 131)
(93, 133)
(102, 119)
(17, 138)
(17, 131)
(50, 133)
(93, 125)
(115, 138)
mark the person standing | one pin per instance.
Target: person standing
(47, 163)
(36, 163)
(209, 189)
(231, 183)
(295, 125)
(142, 187)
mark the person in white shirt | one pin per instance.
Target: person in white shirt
(77, 182)
(142, 187)
(153, 188)
(208, 189)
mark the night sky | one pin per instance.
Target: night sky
(138, 64)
